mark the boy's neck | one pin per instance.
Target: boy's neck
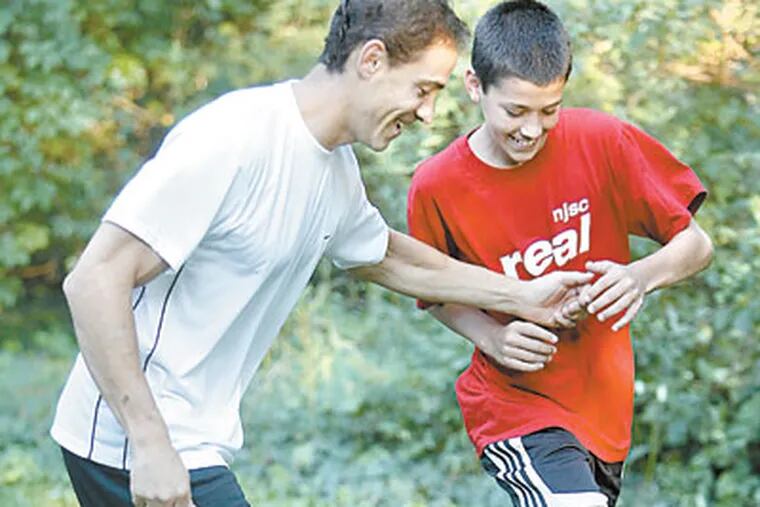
(484, 149)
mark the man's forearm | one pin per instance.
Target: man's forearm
(418, 270)
(105, 331)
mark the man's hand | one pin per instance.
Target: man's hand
(520, 346)
(619, 288)
(158, 478)
(548, 295)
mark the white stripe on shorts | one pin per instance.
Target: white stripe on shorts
(512, 474)
(514, 462)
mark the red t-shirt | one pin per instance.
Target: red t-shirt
(596, 180)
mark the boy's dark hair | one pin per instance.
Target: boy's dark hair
(405, 26)
(522, 39)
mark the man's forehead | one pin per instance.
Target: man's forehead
(434, 64)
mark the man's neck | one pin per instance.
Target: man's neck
(321, 97)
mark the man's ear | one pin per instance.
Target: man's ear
(372, 57)
(472, 85)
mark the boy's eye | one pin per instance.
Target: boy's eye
(421, 92)
(514, 113)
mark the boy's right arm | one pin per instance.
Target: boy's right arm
(519, 345)
(98, 292)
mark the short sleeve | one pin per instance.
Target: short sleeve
(659, 193)
(172, 200)
(362, 236)
(424, 221)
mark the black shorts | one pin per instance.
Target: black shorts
(98, 485)
(550, 468)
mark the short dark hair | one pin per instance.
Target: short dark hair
(522, 39)
(405, 26)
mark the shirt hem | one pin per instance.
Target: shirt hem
(192, 459)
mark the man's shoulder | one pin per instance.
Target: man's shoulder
(242, 102)
(231, 119)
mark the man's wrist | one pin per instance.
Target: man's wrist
(511, 299)
(148, 433)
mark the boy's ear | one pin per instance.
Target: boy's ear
(472, 85)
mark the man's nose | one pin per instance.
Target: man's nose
(426, 111)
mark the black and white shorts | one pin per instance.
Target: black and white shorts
(550, 468)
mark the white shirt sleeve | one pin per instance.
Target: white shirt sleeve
(171, 202)
(362, 238)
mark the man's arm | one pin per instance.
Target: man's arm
(98, 294)
(416, 269)
(623, 287)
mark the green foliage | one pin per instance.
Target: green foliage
(355, 405)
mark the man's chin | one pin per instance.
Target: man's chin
(380, 144)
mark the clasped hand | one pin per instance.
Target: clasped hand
(528, 347)
(619, 288)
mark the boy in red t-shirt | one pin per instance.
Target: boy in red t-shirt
(536, 189)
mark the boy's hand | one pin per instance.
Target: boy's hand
(573, 309)
(619, 288)
(521, 346)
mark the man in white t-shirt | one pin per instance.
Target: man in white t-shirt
(201, 257)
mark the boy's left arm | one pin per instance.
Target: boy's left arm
(622, 287)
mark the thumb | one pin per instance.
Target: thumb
(599, 267)
(575, 278)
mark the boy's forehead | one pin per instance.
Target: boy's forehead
(517, 90)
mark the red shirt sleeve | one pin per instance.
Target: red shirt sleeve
(424, 220)
(658, 192)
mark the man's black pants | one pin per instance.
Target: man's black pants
(98, 485)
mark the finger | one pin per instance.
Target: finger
(598, 288)
(608, 297)
(163, 503)
(514, 364)
(571, 307)
(573, 310)
(623, 302)
(184, 500)
(526, 355)
(532, 330)
(530, 345)
(600, 267)
(629, 315)
(561, 321)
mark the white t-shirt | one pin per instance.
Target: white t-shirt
(241, 201)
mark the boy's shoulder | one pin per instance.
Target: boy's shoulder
(589, 122)
(441, 165)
